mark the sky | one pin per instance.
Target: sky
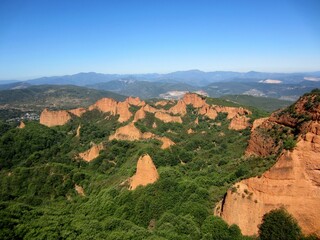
(58, 37)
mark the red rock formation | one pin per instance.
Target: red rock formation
(135, 101)
(140, 114)
(130, 133)
(54, 118)
(109, 105)
(194, 99)
(123, 111)
(21, 125)
(180, 108)
(105, 105)
(166, 142)
(208, 111)
(233, 111)
(167, 118)
(91, 153)
(149, 109)
(258, 122)
(146, 173)
(78, 111)
(293, 182)
(196, 121)
(162, 103)
(261, 143)
(239, 123)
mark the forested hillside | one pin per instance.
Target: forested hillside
(49, 191)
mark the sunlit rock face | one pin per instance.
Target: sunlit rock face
(293, 182)
(54, 118)
(146, 173)
(91, 153)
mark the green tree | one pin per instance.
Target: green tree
(278, 224)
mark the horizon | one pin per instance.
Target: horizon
(146, 73)
(40, 39)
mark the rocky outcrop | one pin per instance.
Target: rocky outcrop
(233, 111)
(91, 153)
(135, 101)
(166, 142)
(54, 118)
(167, 117)
(190, 131)
(208, 111)
(150, 109)
(130, 133)
(78, 131)
(105, 105)
(113, 107)
(146, 173)
(180, 108)
(162, 103)
(123, 111)
(194, 99)
(262, 142)
(140, 114)
(21, 125)
(78, 111)
(239, 122)
(257, 123)
(293, 182)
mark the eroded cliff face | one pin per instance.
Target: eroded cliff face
(146, 173)
(54, 118)
(239, 122)
(293, 182)
(257, 123)
(105, 105)
(166, 142)
(130, 133)
(78, 111)
(194, 99)
(91, 153)
(123, 111)
(174, 114)
(140, 114)
(180, 108)
(208, 111)
(167, 117)
(135, 101)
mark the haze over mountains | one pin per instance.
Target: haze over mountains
(287, 86)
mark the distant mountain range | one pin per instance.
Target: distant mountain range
(287, 86)
(192, 77)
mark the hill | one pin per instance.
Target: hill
(143, 89)
(130, 169)
(92, 172)
(294, 135)
(281, 91)
(264, 103)
(35, 98)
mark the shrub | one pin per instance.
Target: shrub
(278, 224)
(289, 143)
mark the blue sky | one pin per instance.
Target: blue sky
(57, 37)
